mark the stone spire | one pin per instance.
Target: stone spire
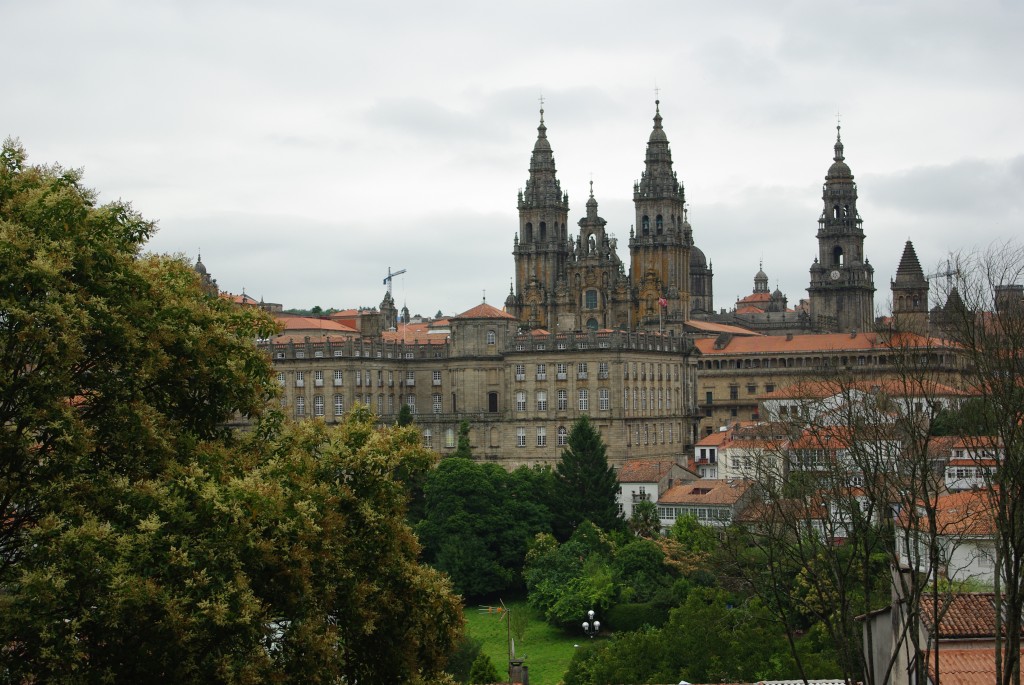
(910, 292)
(542, 187)
(658, 181)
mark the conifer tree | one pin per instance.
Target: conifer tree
(585, 485)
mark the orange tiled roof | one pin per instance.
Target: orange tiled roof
(294, 323)
(706, 491)
(710, 327)
(893, 387)
(484, 311)
(416, 334)
(755, 297)
(645, 470)
(960, 513)
(965, 666)
(815, 342)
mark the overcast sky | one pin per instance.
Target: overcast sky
(306, 147)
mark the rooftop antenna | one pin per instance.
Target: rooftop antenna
(387, 279)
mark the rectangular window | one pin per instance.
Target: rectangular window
(542, 372)
(520, 437)
(560, 371)
(709, 397)
(563, 400)
(359, 378)
(542, 400)
(380, 404)
(520, 372)
(581, 370)
(769, 387)
(751, 389)
(300, 406)
(318, 405)
(380, 377)
(603, 399)
(280, 377)
(734, 393)
(602, 370)
(591, 299)
(339, 377)
(410, 378)
(410, 400)
(584, 397)
(300, 379)
(318, 378)
(339, 405)
(436, 377)
(449, 437)
(428, 438)
(542, 436)
(520, 401)
(563, 436)
(300, 354)
(435, 402)
(391, 404)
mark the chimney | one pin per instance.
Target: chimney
(789, 337)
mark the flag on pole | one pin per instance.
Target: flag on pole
(662, 301)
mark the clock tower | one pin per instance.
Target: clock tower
(842, 290)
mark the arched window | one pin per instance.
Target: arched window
(592, 323)
(590, 299)
(528, 233)
(645, 225)
(543, 231)
(835, 212)
(490, 337)
(659, 225)
(563, 436)
(837, 255)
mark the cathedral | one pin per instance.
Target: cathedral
(575, 283)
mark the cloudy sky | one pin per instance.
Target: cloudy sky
(306, 147)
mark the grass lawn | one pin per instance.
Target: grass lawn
(547, 650)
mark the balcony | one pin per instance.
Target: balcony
(641, 497)
(437, 381)
(319, 382)
(542, 376)
(602, 375)
(560, 376)
(410, 382)
(582, 375)
(337, 382)
(520, 376)
(300, 383)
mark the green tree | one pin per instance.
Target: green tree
(143, 542)
(478, 520)
(566, 580)
(463, 449)
(484, 671)
(405, 417)
(692, 536)
(644, 522)
(585, 485)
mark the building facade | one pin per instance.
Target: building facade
(569, 283)
(520, 391)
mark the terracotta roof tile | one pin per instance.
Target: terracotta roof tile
(709, 327)
(645, 470)
(484, 311)
(706, 491)
(293, 323)
(966, 666)
(823, 342)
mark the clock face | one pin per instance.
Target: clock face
(834, 275)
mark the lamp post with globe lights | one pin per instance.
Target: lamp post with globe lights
(591, 626)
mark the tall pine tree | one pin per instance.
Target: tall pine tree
(585, 485)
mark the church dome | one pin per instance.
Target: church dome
(201, 268)
(697, 258)
(778, 295)
(760, 275)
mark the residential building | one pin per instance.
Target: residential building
(644, 480)
(713, 502)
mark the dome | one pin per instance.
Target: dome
(760, 275)
(839, 169)
(778, 295)
(200, 267)
(697, 258)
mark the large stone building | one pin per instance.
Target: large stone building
(572, 283)
(519, 390)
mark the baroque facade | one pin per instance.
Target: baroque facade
(572, 283)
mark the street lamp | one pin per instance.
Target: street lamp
(590, 626)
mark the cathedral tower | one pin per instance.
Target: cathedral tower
(659, 245)
(842, 281)
(542, 246)
(910, 293)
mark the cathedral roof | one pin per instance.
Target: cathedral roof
(483, 311)
(697, 258)
(909, 269)
(658, 134)
(839, 168)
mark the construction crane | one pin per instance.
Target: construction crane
(387, 279)
(948, 273)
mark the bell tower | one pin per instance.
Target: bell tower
(659, 244)
(541, 247)
(842, 286)
(910, 293)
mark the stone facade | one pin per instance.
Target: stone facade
(842, 281)
(579, 283)
(519, 391)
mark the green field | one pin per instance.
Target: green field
(547, 650)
